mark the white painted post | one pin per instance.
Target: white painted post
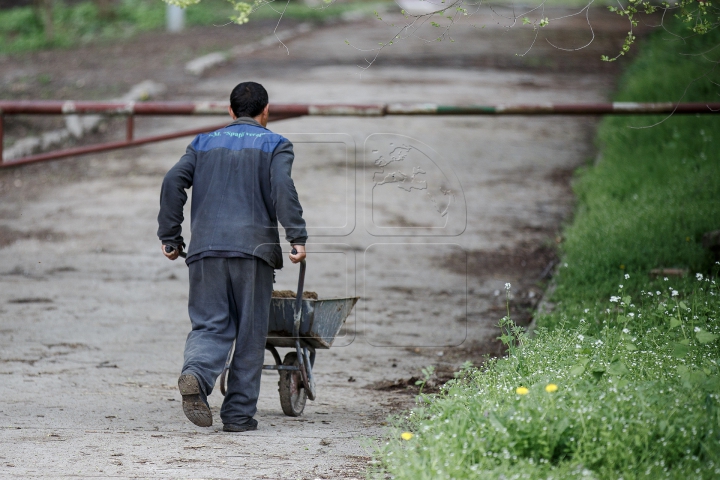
(175, 18)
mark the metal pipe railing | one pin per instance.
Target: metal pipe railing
(284, 111)
(59, 107)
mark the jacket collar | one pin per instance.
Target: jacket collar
(246, 121)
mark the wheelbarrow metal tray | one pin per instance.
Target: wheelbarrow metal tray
(321, 321)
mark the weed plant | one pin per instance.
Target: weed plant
(638, 397)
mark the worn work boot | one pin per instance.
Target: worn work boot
(194, 402)
(244, 427)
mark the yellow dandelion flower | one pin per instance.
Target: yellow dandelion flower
(551, 387)
(522, 391)
(406, 435)
(622, 267)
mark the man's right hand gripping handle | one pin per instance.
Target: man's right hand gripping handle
(172, 253)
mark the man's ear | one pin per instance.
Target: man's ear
(264, 116)
(232, 114)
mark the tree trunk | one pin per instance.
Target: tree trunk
(106, 9)
(45, 10)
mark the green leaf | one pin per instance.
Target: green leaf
(526, 21)
(627, 300)
(577, 370)
(705, 337)
(680, 350)
(685, 341)
(618, 368)
(561, 426)
(630, 347)
(674, 322)
(712, 384)
(683, 306)
(505, 339)
(495, 422)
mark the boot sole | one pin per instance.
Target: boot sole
(194, 408)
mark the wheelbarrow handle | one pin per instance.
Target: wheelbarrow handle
(298, 299)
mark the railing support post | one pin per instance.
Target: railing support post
(129, 131)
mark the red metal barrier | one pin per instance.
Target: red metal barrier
(284, 111)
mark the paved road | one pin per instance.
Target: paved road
(424, 218)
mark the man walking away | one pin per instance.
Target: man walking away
(242, 186)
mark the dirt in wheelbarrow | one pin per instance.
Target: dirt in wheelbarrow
(291, 294)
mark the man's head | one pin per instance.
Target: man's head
(249, 99)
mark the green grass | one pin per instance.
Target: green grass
(635, 399)
(635, 360)
(656, 190)
(21, 29)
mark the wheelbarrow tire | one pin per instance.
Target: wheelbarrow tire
(292, 393)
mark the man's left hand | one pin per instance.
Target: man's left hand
(299, 256)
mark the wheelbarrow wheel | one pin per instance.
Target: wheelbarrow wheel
(292, 393)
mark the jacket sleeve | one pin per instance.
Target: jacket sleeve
(173, 197)
(284, 195)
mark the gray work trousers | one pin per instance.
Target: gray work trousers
(229, 300)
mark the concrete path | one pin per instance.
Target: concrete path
(93, 318)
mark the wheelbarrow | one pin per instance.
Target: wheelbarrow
(305, 326)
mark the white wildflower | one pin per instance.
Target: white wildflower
(581, 337)
(697, 329)
(675, 293)
(507, 286)
(625, 330)
(620, 286)
(666, 279)
(614, 299)
(586, 310)
(627, 276)
(657, 293)
(631, 315)
(699, 276)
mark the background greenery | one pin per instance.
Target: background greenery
(22, 28)
(622, 379)
(647, 203)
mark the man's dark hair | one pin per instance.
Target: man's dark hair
(248, 99)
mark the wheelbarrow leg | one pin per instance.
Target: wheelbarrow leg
(305, 369)
(226, 371)
(308, 368)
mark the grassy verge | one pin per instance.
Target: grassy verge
(21, 29)
(622, 380)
